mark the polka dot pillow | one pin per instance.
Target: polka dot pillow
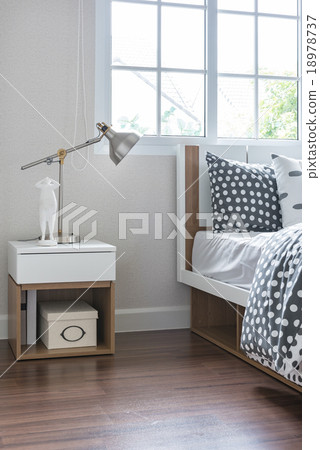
(244, 196)
(289, 181)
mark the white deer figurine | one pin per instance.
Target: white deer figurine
(47, 209)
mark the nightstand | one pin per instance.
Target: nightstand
(84, 271)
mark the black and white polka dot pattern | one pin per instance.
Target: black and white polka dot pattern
(244, 196)
(272, 325)
(289, 183)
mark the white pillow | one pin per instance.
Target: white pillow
(289, 181)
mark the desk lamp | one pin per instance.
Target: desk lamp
(119, 145)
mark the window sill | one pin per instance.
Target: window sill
(169, 146)
(185, 140)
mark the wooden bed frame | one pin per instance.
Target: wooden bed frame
(217, 308)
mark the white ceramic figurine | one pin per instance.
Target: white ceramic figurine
(47, 209)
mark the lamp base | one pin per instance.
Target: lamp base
(67, 239)
(47, 243)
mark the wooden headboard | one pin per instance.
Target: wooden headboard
(191, 198)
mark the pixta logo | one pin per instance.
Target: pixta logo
(140, 223)
(75, 218)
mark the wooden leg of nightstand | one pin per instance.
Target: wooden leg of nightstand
(14, 317)
(112, 317)
(104, 302)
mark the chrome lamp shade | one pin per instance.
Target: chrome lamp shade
(120, 144)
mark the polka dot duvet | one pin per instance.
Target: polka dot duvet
(272, 325)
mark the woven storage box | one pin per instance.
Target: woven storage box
(77, 327)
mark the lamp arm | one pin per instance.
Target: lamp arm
(120, 145)
(103, 129)
(49, 159)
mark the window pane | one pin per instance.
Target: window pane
(134, 101)
(235, 107)
(236, 50)
(236, 5)
(187, 2)
(134, 42)
(132, 1)
(277, 109)
(277, 46)
(278, 7)
(182, 38)
(182, 104)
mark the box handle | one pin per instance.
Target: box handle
(73, 340)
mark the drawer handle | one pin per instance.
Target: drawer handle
(73, 340)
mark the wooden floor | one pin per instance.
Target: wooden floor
(162, 390)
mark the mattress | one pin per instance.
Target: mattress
(228, 257)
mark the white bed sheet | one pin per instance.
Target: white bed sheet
(228, 257)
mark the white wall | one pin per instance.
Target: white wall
(38, 48)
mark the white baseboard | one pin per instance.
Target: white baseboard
(3, 326)
(137, 319)
(148, 319)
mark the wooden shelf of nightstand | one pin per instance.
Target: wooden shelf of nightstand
(99, 294)
(40, 351)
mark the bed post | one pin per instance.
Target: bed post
(191, 197)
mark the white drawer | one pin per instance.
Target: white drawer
(63, 267)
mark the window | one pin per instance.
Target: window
(220, 69)
(159, 66)
(257, 69)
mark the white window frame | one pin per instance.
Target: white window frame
(104, 65)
